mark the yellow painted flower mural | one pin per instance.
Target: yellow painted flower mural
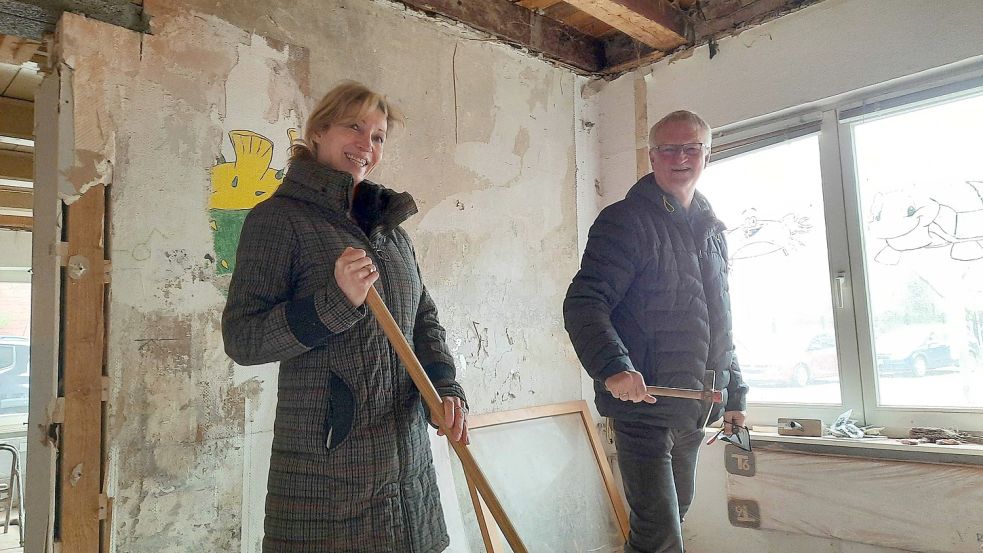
(237, 186)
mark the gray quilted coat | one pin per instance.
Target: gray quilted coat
(351, 470)
(652, 295)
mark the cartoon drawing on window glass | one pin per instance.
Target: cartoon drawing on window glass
(757, 237)
(916, 218)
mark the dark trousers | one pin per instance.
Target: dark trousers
(658, 469)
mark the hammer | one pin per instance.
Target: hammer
(707, 394)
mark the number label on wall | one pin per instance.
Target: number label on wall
(738, 461)
(744, 513)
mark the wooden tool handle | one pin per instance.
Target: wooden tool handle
(714, 395)
(434, 403)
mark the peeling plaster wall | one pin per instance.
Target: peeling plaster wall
(822, 51)
(488, 152)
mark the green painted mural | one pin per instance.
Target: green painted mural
(237, 186)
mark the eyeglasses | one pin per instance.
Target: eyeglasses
(692, 149)
(740, 438)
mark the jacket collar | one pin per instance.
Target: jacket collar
(705, 222)
(375, 208)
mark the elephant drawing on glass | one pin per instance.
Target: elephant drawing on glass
(912, 219)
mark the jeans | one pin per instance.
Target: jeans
(658, 469)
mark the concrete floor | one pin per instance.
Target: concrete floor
(10, 542)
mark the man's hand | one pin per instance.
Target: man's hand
(731, 418)
(628, 386)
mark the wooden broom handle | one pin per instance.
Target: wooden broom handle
(436, 406)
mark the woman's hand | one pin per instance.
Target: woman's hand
(355, 273)
(455, 416)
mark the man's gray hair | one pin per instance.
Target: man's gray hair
(681, 116)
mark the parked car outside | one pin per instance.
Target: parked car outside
(915, 349)
(790, 362)
(15, 372)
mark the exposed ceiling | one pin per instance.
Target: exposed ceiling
(594, 37)
(20, 62)
(24, 24)
(607, 37)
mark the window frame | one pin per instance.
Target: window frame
(833, 120)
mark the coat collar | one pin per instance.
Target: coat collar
(375, 207)
(705, 222)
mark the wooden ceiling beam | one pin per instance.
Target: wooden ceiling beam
(655, 23)
(16, 222)
(537, 4)
(730, 16)
(16, 50)
(583, 22)
(522, 26)
(623, 53)
(16, 165)
(17, 120)
(35, 18)
(16, 198)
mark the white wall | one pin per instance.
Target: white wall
(828, 49)
(833, 47)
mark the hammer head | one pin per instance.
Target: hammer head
(709, 394)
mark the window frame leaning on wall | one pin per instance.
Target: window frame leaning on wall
(832, 121)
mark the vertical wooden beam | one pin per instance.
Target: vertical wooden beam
(84, 329)
(55, 147)
(642, 165)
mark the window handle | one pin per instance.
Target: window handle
(839, 284)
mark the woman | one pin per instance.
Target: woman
(351, 469)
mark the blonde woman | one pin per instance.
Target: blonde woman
(351, 469)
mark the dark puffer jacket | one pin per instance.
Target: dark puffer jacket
(351, 470)
(652, 295)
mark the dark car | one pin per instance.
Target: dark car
(914, 349)
(15, 363)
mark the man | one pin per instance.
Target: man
(650, 306)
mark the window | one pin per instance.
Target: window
(771, 200)
(922, 229)
(856, 252)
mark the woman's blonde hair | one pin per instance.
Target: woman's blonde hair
(346, 103)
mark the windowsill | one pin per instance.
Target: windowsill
(889, 449)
